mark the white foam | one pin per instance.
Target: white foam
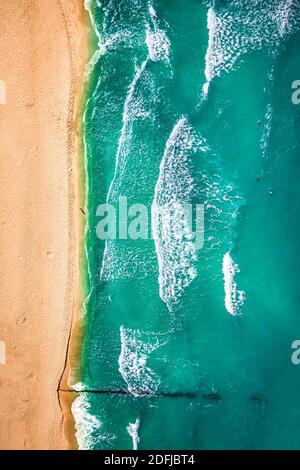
(244, 27)
(105, 42)
(152, 11)
(209, 57)
(114, 41)
(113, 35)
(89, 67)
(205, 89)
(220, 54)
(76, 386)
(133, 431)
(286, 16)
(136, 346)
(234, 298)
(132, 110)
(174, 187)
(158, 43)
(87, 425)
(157, 40)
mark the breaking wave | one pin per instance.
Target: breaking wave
(136, 347)
(243, 26)
(88, 427)
(156, 39)
(174, 188)
(133, 431)
(234, 298)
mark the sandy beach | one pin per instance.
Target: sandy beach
(43, 44)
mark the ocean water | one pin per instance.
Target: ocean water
(190, 348)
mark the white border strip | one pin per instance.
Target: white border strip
(2, 353)
(2, 92)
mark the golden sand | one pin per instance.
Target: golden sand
(43, 50)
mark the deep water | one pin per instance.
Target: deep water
(191, 102)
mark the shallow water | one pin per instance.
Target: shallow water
(189, 348)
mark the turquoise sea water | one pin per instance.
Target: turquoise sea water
(191, 102)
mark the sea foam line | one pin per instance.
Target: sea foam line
(125, 135)
(286, 16)
(136, 347)
(94, 59)
(208, 66)
(236, 30)
(157, 40)
(234, 298)
(133, 431)
(87, 425)
(174, 188)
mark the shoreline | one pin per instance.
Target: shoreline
(76, 335)
(45, 48)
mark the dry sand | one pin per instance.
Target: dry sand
(42, 45)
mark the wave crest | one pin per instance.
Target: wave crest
(241, 27)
